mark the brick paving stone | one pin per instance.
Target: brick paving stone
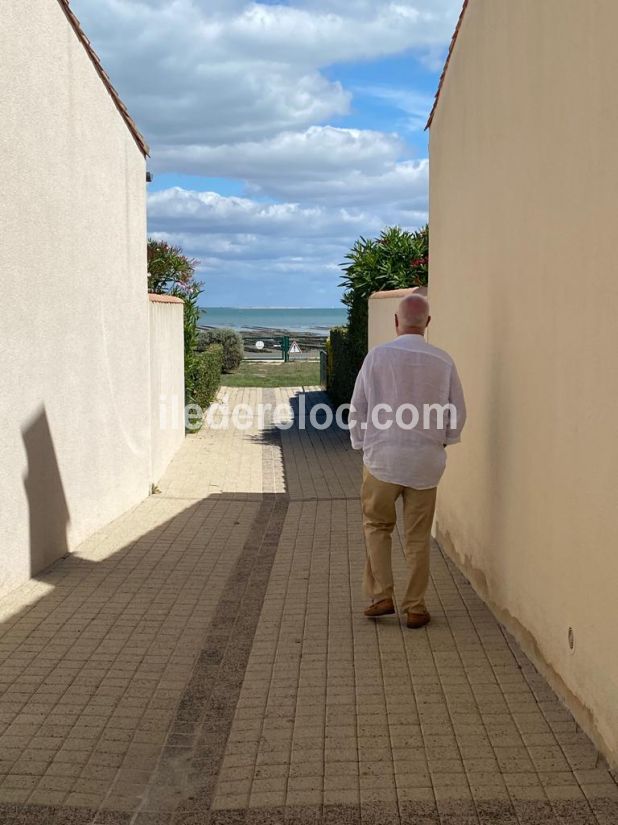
(204, 659)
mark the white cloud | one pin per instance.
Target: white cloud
(202, 73)
(396, 185)
(205, 213)
(315, 153)
(237, 89)
(318, 37)
(240, 236)
(185, 83)
(323, 165)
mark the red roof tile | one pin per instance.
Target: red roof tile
(448, 60)
(399, 293)
(163, 298)
(139, 139)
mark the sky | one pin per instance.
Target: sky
(280, 132)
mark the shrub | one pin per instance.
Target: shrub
(396, 260)
(343, 366)
(168, 266)
(230, 340)
(208, 368)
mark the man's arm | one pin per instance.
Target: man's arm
(457, 420)
(358, 413)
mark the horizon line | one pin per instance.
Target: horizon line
(267, 307)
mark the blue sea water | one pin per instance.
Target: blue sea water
(292, 319)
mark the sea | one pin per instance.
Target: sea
(311, 321)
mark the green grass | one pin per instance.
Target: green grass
(278, 374)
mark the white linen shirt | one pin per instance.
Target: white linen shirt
(406, 371)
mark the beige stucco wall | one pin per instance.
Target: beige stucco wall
(74, 347)
(382, 309)
(524, 176)
(167, 385)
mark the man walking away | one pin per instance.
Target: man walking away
(404, 383)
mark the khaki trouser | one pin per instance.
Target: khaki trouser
(379, 518)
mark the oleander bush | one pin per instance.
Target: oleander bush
(230, 340)
(396, 260)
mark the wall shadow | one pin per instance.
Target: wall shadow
(301, 405)
(99, 629)
(97, 598)
(49, 515)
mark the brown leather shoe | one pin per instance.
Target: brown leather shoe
(385, 607)
(416, 620)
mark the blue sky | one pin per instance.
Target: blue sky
(280, 131)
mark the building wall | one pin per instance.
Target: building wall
(524, 176)
(382, 309)
(167, 384)
(74, 343)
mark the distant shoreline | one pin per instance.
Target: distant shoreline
(274, 332)
(313, 323)
(278, 309)
(275, 321)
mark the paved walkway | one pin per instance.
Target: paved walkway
(205, 660)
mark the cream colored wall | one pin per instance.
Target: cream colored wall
(167, 385)
(74, 346)
(524, 293)
(382, 309)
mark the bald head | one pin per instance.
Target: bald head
(412, 315)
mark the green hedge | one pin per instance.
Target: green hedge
(344, 362)
(230, 340)
(208, 368)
